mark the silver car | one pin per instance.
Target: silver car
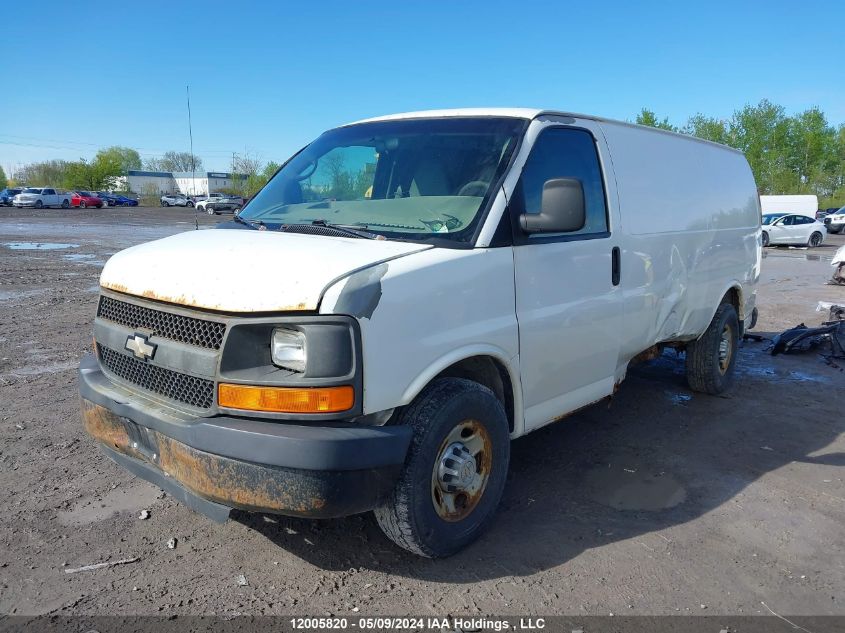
(176, 200)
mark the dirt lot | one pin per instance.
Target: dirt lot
(663, 502)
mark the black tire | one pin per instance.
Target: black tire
(100, 206)
(165, 203)
(39, 204)
(410, 517)
(83, 205)
(189, 204)
(765, 238)
(709, 370)
(815, 240)
(210, 211)
(65, 204)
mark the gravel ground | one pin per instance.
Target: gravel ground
(662, 502)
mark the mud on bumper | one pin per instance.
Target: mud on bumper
(215, 464)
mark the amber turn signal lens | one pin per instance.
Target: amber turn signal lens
(286, 399)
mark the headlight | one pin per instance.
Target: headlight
(289, 349)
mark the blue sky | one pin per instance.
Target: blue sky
(267, 77)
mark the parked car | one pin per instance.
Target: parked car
(216, 203)
(834, 222)
(322, 357)
(176, 200)
(125, 201)
(39, 197)
(84, 199)
(109, 199)
(792, 228)
(7, 194)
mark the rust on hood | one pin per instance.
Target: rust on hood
(186, 301)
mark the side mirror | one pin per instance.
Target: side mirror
(561, 208)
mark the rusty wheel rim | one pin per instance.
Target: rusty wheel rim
(461, 470)
(726, 345)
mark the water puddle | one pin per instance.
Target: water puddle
(9, 295)
(84, 258)
(679, 398)
(625, 488)
(38, 246)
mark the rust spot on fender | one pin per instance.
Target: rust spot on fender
(105, 426)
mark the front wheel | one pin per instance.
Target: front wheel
(165, 203)
(815, 239)
(765, 239)
(455, 470)
(105, 203)
(711, 359)
(83, 205)
(39, 204)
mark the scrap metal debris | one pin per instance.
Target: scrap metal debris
(122, 561)
(802, 338)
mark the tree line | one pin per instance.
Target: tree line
(788, 154)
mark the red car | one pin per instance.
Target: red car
(85, 199)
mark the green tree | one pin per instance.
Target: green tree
(647, 117)
(4, 182)
(126, 157)
(174, 161)
(43, 174)
(708, 128)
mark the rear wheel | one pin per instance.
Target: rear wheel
(454, 472)
(711, 359)
(815, 239)
(165, 203)
(105, 203)
(765, 238)
(65, 204)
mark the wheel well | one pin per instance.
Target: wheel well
(489, 372)
(734, 297)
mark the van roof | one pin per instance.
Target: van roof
(525, 113)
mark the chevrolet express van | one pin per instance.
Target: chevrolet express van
(404, 297)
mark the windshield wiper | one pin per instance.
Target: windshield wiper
(253, 224)
(355, 231)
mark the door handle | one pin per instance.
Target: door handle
(615, 273)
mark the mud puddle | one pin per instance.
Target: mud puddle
(629, 488)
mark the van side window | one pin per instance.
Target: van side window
(565, 153)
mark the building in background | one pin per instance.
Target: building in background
(149, 182)
(159, 182)
(204, 183)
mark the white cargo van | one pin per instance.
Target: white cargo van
(407, 295)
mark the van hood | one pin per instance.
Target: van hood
(244, 271)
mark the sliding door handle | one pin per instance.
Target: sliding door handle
(616, 265)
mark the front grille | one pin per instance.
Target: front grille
(176, 327)
(190, 390)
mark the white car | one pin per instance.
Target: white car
(404, 297)
(40, 197)
(835, 222)
(792, 228)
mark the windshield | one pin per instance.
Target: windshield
(31, 190)
(407, 179)
(769, 218)
(85, 194)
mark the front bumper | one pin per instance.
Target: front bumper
(217, 463)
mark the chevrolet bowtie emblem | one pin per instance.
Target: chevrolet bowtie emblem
(139, 345)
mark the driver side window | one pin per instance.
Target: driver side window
(565, 153)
